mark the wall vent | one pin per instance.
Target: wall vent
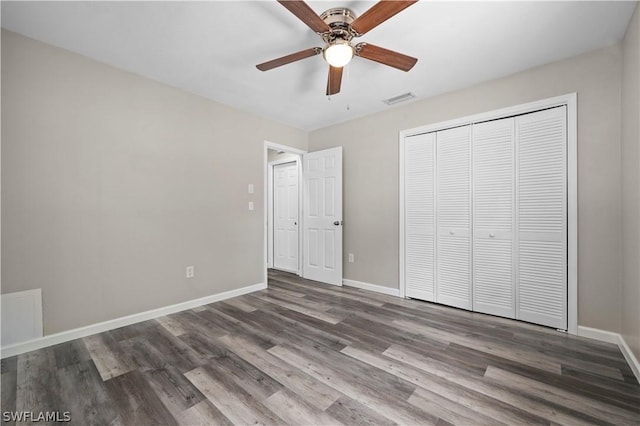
(399, 98)
(21, 316)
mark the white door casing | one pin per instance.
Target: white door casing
(285, 217)
(322, 212)
(453, 217)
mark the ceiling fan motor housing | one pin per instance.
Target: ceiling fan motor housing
(338, 16)
(339, 19)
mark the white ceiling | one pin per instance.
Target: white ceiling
(211, 48)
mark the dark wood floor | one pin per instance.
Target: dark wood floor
(306, 353)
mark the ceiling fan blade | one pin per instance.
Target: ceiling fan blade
(385, 56)
(334, 81)
(304, 12)
(379, 13)
(303, 54)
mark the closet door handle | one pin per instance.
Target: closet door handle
(492, 235)
(452, 232)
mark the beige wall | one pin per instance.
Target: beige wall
(112, 184)
(630, 328)
(371, 172)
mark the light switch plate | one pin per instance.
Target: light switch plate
(250, 188)
(250, 205)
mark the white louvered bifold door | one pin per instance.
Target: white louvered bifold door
(494, 217)
(419, 153)
(541, 285)
(453, 217)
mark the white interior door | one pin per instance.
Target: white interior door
(323, 216)
(494, 217)
(453, 217)
(419, 181)
(541, 284)
(285, 217)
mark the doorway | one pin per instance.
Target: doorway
(307, 242)
(283, 208)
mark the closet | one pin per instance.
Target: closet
(485, 216)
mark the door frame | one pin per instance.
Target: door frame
(270, 209)
(267, 174)
(569, 100)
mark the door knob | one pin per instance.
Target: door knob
(492, 235)
(337, 223)
(452, 232)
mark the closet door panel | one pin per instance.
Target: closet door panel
(542, 217)
(494, 215)
(453, 163)
(420, 216)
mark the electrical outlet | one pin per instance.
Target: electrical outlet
(351, 258)
(190, 272)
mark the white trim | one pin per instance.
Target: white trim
(597, 334)
(372, 287)
(630, 357)
(616, 339)
(285, 148)
(269, 216)
(402, 291)
(301, 250)
(570, 100)
(572, 212)
(285, 161)
(77, 333)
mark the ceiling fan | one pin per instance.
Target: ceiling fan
(338, 27)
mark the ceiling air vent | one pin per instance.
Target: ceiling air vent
(399, 98)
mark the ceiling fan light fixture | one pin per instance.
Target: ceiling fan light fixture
(338, 53)
(337, 27)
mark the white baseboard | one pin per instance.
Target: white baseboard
(597, 334)
(372, 287)
(630, 357)
(617, 339)
(77, 333)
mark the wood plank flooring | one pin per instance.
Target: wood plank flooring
(306, 353)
